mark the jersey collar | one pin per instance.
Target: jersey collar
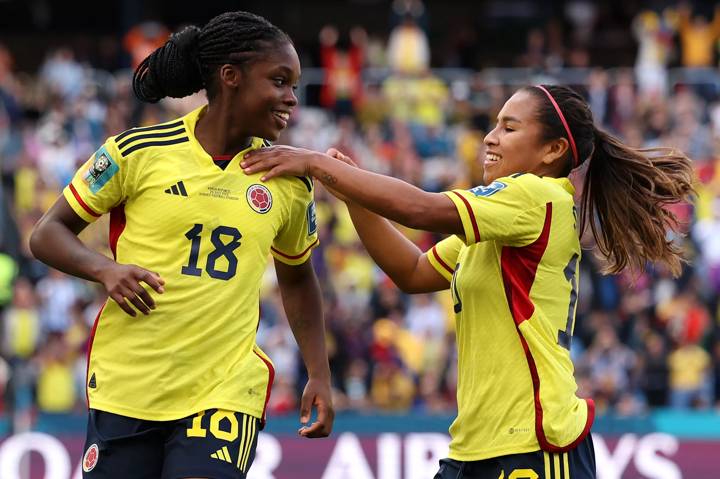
(191, 120)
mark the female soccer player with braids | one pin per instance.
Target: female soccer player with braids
(182, 392)
(511, 263)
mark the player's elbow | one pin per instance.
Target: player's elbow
(431, 212)
(35, 241)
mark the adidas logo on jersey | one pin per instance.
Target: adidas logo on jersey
(222, 454)
(177, 189)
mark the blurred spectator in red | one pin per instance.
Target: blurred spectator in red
(142, 39)
(6, 64)
(342, 65)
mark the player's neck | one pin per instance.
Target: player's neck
(219, 134)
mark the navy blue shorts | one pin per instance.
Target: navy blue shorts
(578, 463)
(214, 444)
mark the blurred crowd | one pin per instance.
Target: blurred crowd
(641, 341)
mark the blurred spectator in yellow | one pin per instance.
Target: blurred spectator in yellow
(392, 389)
(21, 321)
(698, 36)
(689, 366)
(8, 271)
(408, 48)
(55, 385)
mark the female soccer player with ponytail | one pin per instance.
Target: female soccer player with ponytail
(511, 263)
(182, 392)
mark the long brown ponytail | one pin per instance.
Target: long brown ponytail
(625, 201)
(626, 190)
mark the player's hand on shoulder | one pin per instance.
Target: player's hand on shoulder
(316, 395)
(123, 284)
(278, 160)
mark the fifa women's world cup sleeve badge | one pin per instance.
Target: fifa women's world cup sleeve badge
(101, 170)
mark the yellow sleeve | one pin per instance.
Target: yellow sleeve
(294, 244)
(99, 184)
(443, 256)
(504, 211)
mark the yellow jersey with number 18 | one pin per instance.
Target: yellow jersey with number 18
(208, 233)
(514, 281)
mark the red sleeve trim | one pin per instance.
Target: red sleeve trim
(442, 263)
(472, 215)
(82, 203)
(298, 256)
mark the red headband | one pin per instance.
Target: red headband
(565, 124)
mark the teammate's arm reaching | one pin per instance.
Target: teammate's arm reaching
(54, 241)
(397, 256)
(302, 300)
(389, 197)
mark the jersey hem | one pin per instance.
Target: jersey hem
(172, 416)
(492, 453)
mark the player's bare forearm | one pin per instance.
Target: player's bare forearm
(303, 305)
(302, 301)
(389, 197)
(54, 241)
(396, 255)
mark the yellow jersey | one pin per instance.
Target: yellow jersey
(514, 283)
(208, 233)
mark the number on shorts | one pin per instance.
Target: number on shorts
(216, 429)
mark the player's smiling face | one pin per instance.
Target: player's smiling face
(268, 91)
(515, 144)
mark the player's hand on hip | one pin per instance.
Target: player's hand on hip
(316, 395)
(278, 161)
(123, 283)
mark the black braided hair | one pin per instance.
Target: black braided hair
(190, 58)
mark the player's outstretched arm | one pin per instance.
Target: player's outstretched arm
(54, 241)
(302, 301)
(389, 197)
(396, 255)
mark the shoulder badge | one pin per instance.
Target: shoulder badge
(488, 190)
(102, 169)
(311, 219)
